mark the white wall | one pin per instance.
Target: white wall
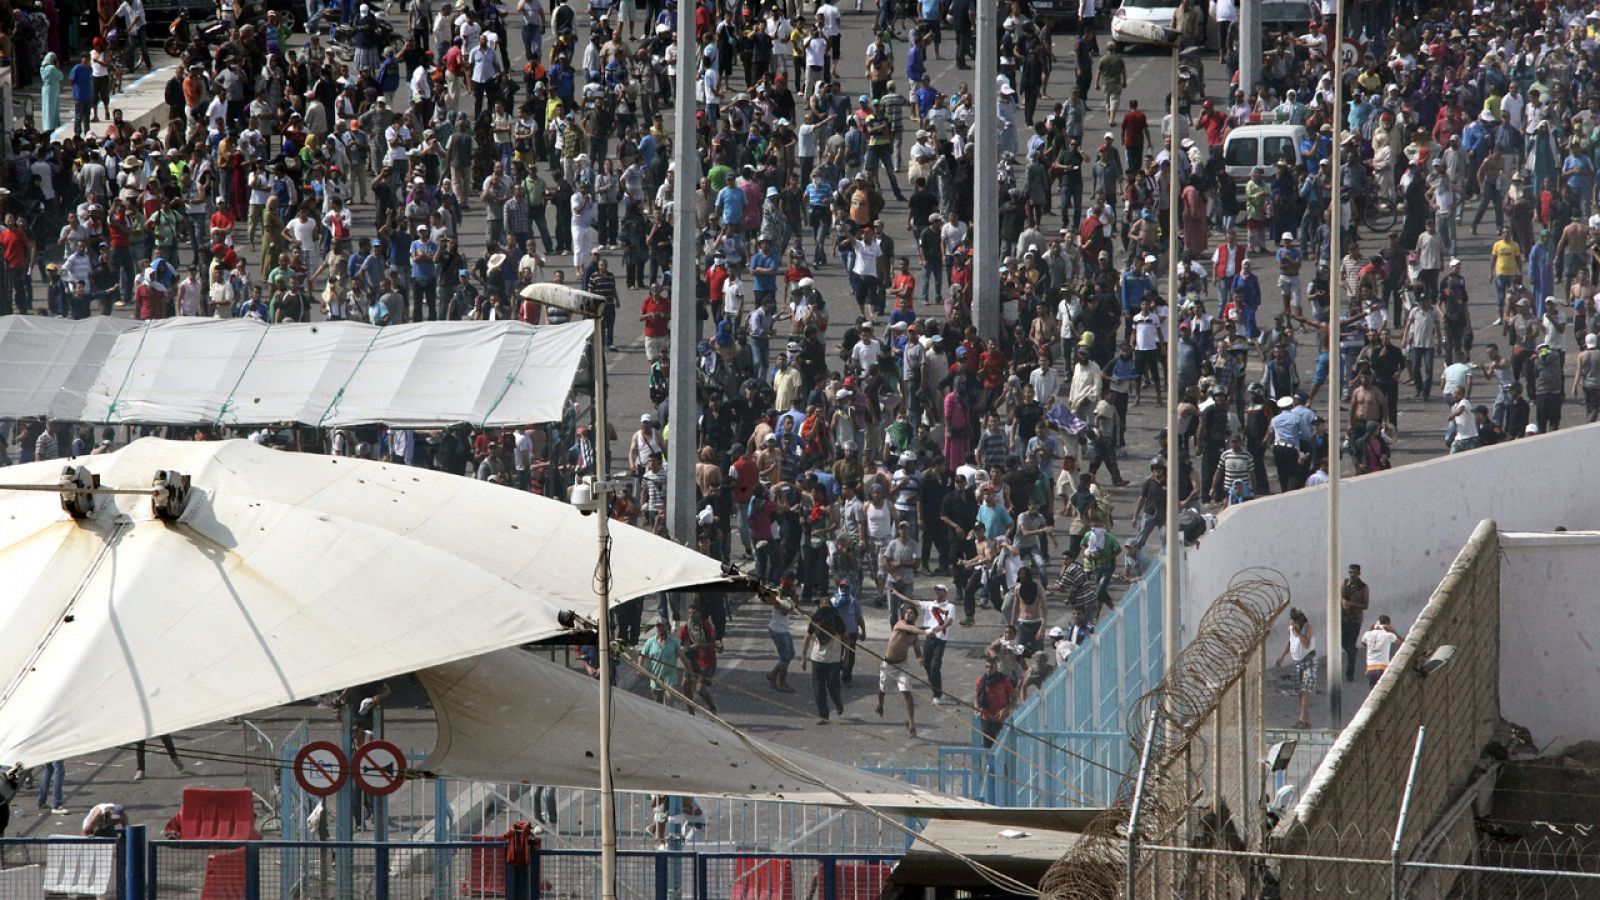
(1403, 526)
(1550, 635)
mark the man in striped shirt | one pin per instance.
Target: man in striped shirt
(600, 281)
(1234, 472)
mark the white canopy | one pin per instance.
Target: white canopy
(288, 576)
(486, 732)
(193, 371)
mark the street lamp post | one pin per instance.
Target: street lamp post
(587, 305)
(1331, 627)
(1161, 36)
(685, 329)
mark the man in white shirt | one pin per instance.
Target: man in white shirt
(1380, 643)
(938, 615)
(1466, 424)
(866, 351)
(191, 294)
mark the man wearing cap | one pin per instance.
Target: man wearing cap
(1292, 436)
(1289, 260)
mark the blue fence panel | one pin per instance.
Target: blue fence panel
(1067, 744)
(1058, 746)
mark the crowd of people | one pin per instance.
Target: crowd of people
(855, 430)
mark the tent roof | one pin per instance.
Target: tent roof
(288, 576)
(193, 371)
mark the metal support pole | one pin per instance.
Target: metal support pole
(1335, 385)
(1405, 812)
(1170, 637)
(344, 828)
(1249, 38)
(681, 418)
(1138, 801)
(602, 516)
(985, 187)
(134, 849)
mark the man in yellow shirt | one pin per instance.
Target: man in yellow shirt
(1507, 255)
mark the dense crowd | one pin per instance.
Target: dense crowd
(849, 440)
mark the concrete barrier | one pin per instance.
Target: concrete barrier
(1403, 526)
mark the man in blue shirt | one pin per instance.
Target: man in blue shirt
(917, 59)
(1293, 432)
(82, 77)
(424, 275)
(764, 266)
(1247, 289)
(730, 205)
(1135, 284)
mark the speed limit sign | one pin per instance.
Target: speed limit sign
(1350, 52)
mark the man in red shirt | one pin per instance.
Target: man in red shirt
(1135, 134)
(744, 476)
(995, 694)
(716, 277)
(656, 314)
(150, 298)
(16, 295)
(699, 639)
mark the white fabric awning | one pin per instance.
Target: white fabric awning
(194, 371)
(289, 575)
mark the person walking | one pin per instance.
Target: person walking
(823, 653)
(938, 615)
(1302, 650)
(996, 695)
(52, 782)
(1586, 380)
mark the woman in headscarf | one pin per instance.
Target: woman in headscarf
(50, 77)
(1193, 203)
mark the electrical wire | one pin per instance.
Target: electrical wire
(777, 760)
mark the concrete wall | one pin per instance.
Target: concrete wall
(1550, 635)
(1352, 804)
(1403, 526)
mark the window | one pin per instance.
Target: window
(1279, 148)
(1241, 153)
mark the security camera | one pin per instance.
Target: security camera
(1440, 658)
(581, 495)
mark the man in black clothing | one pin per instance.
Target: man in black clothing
(1387, 362)
(935, 485)
(1213, 439)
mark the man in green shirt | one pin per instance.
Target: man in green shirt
(662, 653)
(1111, 76)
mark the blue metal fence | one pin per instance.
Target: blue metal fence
(134, 868)
(1067, 744)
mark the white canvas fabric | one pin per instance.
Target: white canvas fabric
(196, 371)
(289, 575)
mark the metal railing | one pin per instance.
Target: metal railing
(252, 870)
(61, 865)
(570, 875)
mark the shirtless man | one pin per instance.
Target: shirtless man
(1369, 408)
(902, 643)
(1320, 376)
(1027, 610)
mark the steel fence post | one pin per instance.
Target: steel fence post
(252, 871)
(133, 850)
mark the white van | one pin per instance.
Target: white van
(1250, 146)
